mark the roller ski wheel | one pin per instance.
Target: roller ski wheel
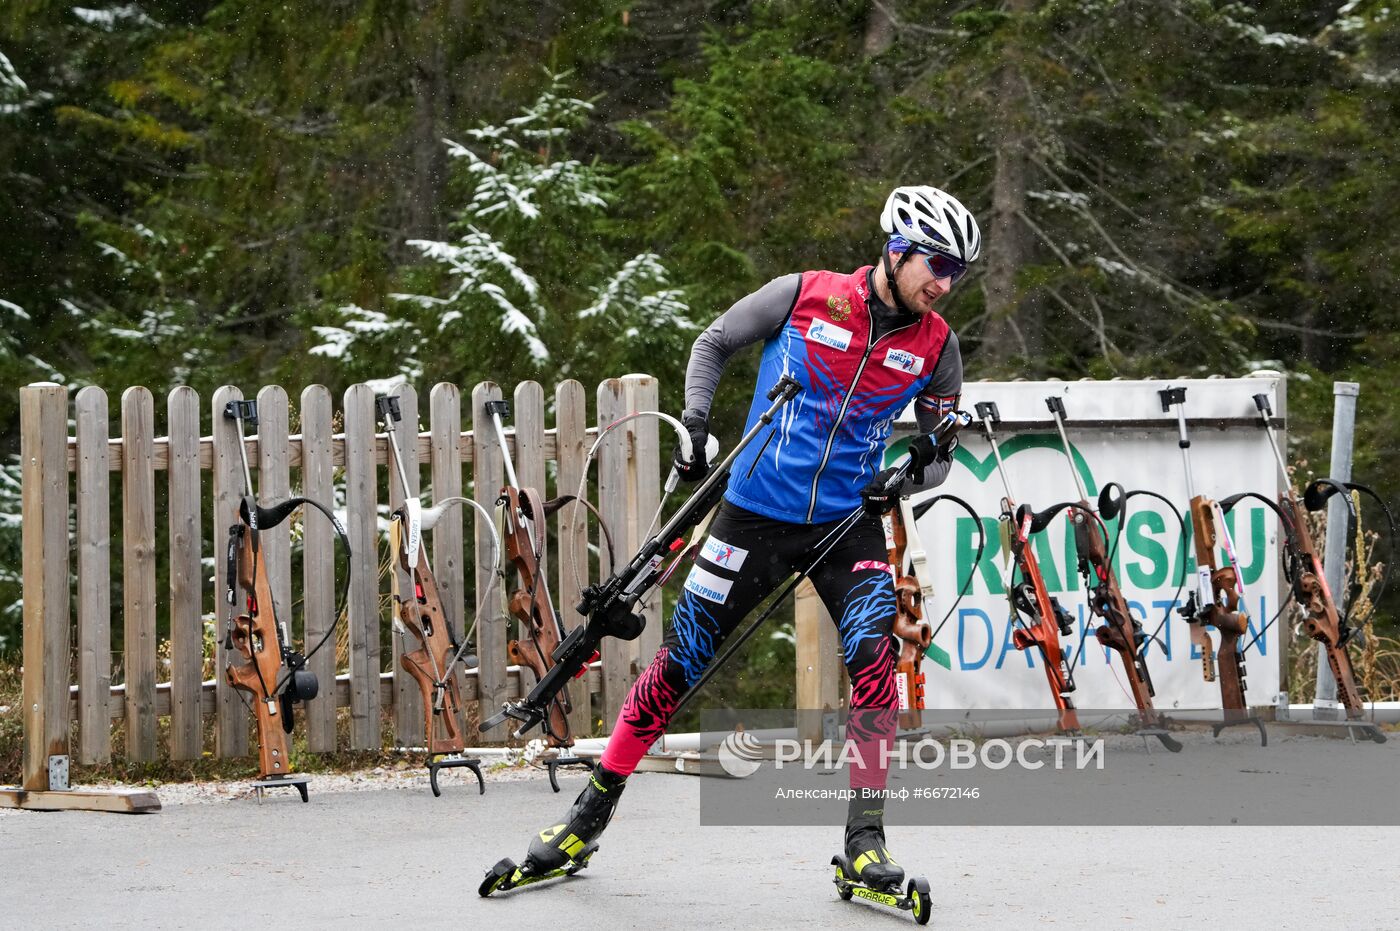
(505, 875)
(915, 899)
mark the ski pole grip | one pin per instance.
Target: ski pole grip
(787, 386)
(246, 411)
(1171, 396)
(386, 406)
(1056, 404)
(987, 410)
(1261, 401)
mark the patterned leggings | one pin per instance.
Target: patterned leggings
(744, 558)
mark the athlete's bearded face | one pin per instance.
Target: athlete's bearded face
(917, 284)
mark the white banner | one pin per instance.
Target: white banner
(1118, 432)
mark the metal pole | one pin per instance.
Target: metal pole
(1334, 562)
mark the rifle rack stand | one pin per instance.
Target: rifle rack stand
(453, 762)
(1366, 729)
(561, 760)
(1219, 726)
(291, 780)
(1167, 740)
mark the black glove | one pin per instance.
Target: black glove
(922, 453)
(874, 496)
(698, 426)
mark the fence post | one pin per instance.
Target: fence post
(226, 485)
(612, 505)
(319, 589)
(138, 571)
(488, 468)
(409, 727)
(43, 457)
(361, 506)
(186, 577)
(644, 494)
(571, 439)
(445, 449)
(818, 672)
(94, 578)
(1335, 557)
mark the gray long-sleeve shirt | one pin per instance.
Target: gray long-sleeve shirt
(759, 316)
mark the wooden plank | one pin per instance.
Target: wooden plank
(338, 687)
(408, 716)
(44, 547)
(528, 409)
(612, 504)
(487, 478)
(818, 660)
(139, 573)
(571, 421)
(274, 485)
(227, 487)
(644, 479)
(445, 414)
(186, 576)
(94, 578)
(361, 503)
(206, 451)
(319, 581)
(123, 801)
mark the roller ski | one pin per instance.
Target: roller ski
(866, 870)
(565, 848)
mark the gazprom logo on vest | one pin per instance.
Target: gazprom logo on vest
(829, 335)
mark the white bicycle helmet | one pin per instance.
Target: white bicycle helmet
(933, 219)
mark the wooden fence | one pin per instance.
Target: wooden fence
(191, 481)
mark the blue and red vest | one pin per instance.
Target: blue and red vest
(829, 441)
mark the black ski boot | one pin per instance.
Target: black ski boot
(867, 870)
(564, 848)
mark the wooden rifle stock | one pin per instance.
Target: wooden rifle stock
(913, 631)
(530, 604)
(1221, 610)
(421, 614)
(1120, 632)
(1320, 616)
(256, 635)
(1031, 597)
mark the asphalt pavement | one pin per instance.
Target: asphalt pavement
(396, 856)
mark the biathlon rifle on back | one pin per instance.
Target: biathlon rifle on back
(1218, 598)
(1120, 631)
(433, 662)
(1028, 596)
(610, 605)
(1323, 618)
(273, 672)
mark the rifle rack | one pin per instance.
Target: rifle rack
(1254, 719)
(456, 761)
(559, 760)
(289, 781)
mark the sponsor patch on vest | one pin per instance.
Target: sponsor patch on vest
(708, 585)
(830, 335)
(865, 564)
(906, 362)
(724, 555)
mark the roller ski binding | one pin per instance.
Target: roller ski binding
(565, 848)
(868, 871)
